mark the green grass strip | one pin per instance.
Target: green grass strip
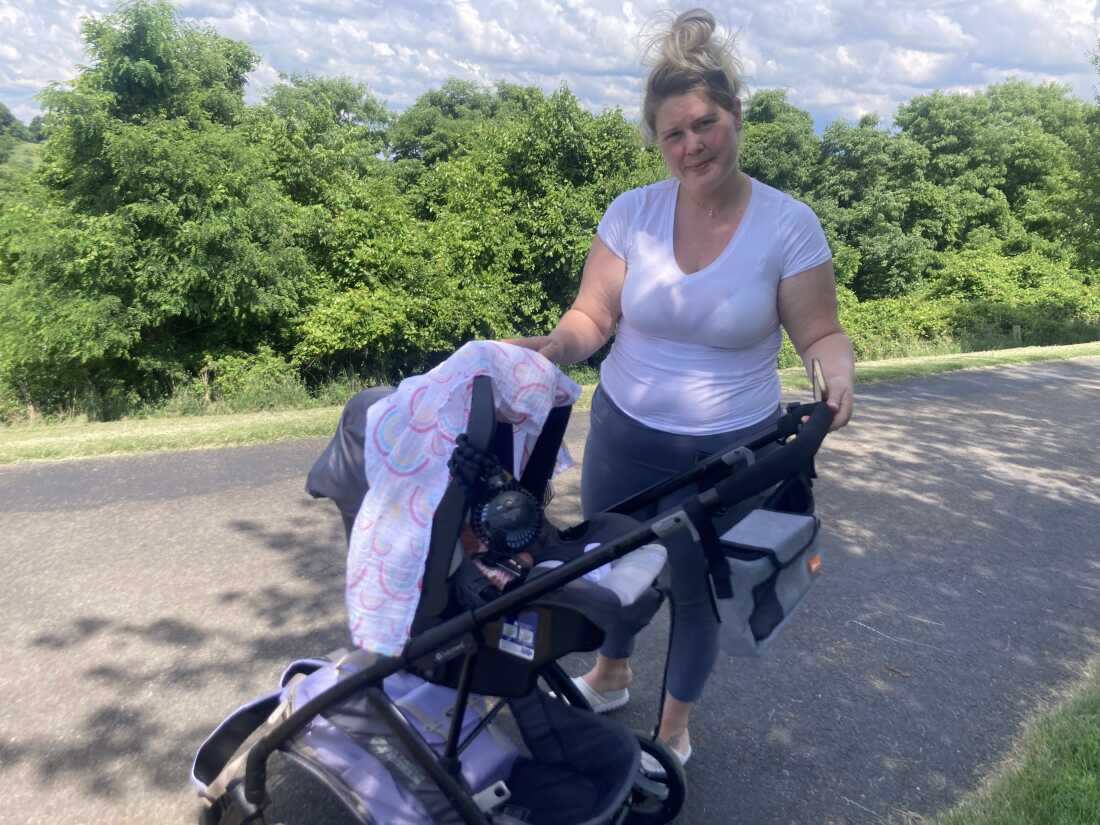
(1053, 778)
(39, 441)
(82, 440)
(794, 378)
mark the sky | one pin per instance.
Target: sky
(835, 58)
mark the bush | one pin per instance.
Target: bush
(240, 382)
(1026, 299)
(12, 408)
(1042, 320)
(894, 327)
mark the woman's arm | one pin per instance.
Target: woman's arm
(808, 311)
(589, 322)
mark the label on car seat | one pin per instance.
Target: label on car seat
(517, 635)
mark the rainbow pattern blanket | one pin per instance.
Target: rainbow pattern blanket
(409, 438)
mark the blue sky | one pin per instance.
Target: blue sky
(836, 58)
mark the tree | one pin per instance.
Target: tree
(434, 127)
(12, 131)
(780, 146)
(161, 238)
(37, 129)
(1017, 138)
(11, 125)
(326, 133)
(147, 66)
(1082, 205)
(487, 242)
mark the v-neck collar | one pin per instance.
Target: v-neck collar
(727, 249)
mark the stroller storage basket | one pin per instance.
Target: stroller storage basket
(771, 561)
(560, 765)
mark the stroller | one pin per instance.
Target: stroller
(475, 721)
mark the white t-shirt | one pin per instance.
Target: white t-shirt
(696, 354)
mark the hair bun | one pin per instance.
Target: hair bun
(689, 32)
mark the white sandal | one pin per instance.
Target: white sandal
(601, 702)
(651, 767)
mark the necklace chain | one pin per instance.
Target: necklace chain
(710, 210)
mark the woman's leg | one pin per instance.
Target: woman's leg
(623, 457)
(693, 638)
(614, 469)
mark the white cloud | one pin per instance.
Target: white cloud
(836, 58)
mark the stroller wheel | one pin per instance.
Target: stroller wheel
(656, 799)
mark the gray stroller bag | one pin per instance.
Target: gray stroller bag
(771, 562)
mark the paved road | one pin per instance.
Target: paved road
(143, 598)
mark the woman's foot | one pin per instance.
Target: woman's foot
(601, 701)
(609, 675)
(606, 685)
(680, 745)
(673, 733)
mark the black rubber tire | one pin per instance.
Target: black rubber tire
(647, 807)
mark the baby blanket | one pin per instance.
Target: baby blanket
(409, 438)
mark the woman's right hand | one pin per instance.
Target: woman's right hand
(545, 345)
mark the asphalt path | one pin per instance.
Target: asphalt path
(143, 598)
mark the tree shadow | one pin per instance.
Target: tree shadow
(148, 693)
(958, 597)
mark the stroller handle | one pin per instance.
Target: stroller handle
(782, 463)
(811, 433)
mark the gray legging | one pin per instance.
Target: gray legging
(623, 457)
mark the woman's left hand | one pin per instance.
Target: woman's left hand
(840, 398)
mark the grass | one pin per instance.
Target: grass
(1053, 776)
(84, 440)
(79, 439)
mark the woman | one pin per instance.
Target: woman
(696, 273)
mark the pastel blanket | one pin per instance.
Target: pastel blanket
(409, 438)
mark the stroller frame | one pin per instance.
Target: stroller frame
(723, 479)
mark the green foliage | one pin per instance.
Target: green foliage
(147, 67)
(486, 240)
(11, 126)
(152, 64)
(325, 134)
(891, 327)
(254, 382)
(36, 131)
(779, 145)
(7, 146)
(1082, 198)
(160, 234)
(176, 242)
(12, 133)
(980, 299)
(441, 121)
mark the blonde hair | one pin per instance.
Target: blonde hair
(687, 55)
